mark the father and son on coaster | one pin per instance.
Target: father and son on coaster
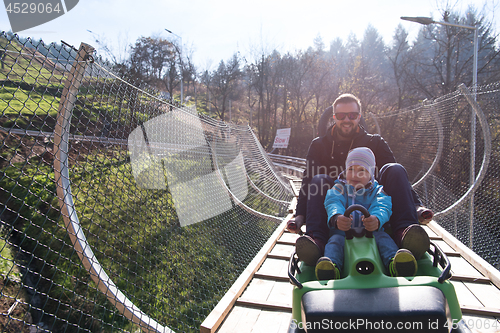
(349, 166)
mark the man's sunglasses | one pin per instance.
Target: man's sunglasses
(350, 115)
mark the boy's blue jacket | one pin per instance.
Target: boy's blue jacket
(373, 198)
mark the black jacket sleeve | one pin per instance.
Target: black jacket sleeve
(311, 162)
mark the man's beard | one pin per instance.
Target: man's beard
(348, 135)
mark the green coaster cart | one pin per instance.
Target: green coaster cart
(367, 299)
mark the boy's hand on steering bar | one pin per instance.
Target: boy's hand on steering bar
(343, 223)
(371, 223)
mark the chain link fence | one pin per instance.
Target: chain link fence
(120, 211)
(450, 148)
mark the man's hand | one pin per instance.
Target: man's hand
(294, 224)
(371, 223)
(343, 223)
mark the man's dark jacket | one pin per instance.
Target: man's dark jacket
(327, 156)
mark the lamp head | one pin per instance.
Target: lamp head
(419, 19)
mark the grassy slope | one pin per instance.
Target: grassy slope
(174, 274)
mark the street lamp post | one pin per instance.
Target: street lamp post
(427, 21)
(182, 70)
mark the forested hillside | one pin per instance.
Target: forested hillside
(273, 90)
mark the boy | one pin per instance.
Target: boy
(356, 185)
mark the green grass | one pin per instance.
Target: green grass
(29, 92)
(29, 190)
(8, 271)
(27, 109)
(20, 65)
(175, 275)
(188, 268)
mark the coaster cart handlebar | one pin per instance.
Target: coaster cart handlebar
(357, 232)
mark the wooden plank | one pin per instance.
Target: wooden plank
(279, 256)
(274, 267)
(470, 303)
(285, 242)
(294, 188)
(217, 315)
(285, 322)
(460, 266)
(488, 294)
(475, 279)
(258, 289)
(282, 250)
(464, 295)
(264, 304)
(268, 291)
(481, 310)
(281, 293)
(482, 265)
(271, 277)
(272, 322)
(246, 319)
(232, 320)
(284, 269)
(289, 237)
(444, 246)
(430, 232)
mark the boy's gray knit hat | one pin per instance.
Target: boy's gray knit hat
(362, 156)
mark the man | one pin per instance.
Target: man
(325, 161)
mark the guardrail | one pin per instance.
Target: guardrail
(294, 166)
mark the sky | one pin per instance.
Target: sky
(216, 29)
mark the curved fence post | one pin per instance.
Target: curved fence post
(66, 203)
(440, 145)
(486, 155)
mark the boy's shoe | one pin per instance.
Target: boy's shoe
(416, 240)
(403, 264)
(308, 250)
(326, 269)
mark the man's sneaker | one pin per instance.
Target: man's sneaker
(403, 264)
(326, 269)
(307, 250)
(416, 240)
(425, 215)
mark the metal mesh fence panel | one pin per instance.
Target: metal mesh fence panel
(444, 160)
(122, 210)
(119, 209)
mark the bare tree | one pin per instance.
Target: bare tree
(223, 84)
(398, 58)
(265, 78)
(442, 56)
